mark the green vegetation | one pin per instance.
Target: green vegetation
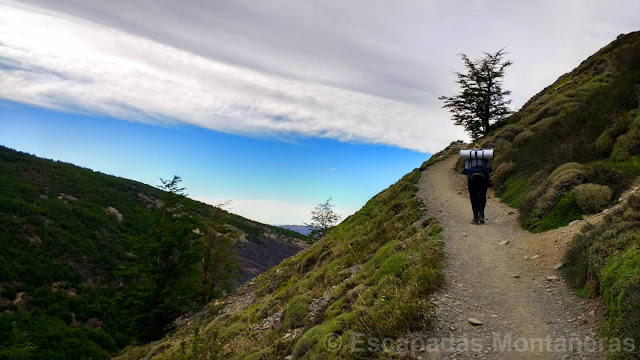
(323, 220)
(571, 150)
(584, 129)
(77, 250)
(561, 214)
(480, 102)
(371, 274)
(606, 259)
(297, 312)
(592, 198)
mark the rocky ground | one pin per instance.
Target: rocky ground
(503, 296)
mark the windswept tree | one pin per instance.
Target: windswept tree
(323, 219)
(481, 101)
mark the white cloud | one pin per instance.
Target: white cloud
(269, 211)
(78, 65)
(353, 71)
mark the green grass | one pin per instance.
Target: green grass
(397, 257)
(393, 266)
(605, 259)
(514, 190)
(588, 116)
(563, 213)
(561, 82)
(297, 311)
(589, 119)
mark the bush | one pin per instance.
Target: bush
(627, 145)
(510, 132)
(561, 171)
(561, 214)
(501, 173)
(604, 174)
(620, 282)
(297, 311)
(592, 198)
(605, 142)
(308, 341)
(524, 137)
(393, 266)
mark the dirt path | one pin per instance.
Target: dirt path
(526, 310)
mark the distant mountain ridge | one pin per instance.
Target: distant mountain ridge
(302, 229)
(65, 230)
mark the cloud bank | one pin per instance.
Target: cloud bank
(353, 71)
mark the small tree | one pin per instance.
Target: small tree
(162, 278)
(481, 99)
(18, 346)
(219, 268)
(323, 219)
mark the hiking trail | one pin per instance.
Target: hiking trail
(504, 277)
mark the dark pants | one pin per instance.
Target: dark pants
(478, 194)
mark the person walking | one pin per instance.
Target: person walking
(477, 169)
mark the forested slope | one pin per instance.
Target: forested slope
(66, 232)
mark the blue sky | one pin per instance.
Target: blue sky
(272, 180)
(275, 104)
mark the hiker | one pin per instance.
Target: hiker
(477, 167)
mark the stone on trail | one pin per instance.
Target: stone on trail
(535, 256)
(552, 278)
(558, 265)
(475, 322)
(505, 242)
(516, 276)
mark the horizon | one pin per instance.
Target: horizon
(276, 108)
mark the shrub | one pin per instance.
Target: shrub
(308, 341)
(634, 202)
(393, 266)
(524, 137)
(592, 198)
(297, 311)
(502, 172)
(620, 282)
(510, 132)
(561, 214)
(627, 145)
(605, 142)
(568, 179)
(604, 174)
(576, 260)
(572, 166)
(231, 331)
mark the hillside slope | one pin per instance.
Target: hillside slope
(370, 277)
(64, 230)
(573, 150)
